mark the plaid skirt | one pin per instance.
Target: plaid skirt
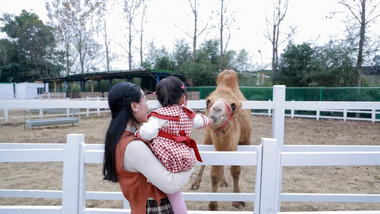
(164, 208)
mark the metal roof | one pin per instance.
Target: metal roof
(119, 74)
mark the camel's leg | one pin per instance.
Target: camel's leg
(216, 174)
(222, 180)
(198, 180)
(207, 141)
(235, 172)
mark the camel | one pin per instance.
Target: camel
(231, 127)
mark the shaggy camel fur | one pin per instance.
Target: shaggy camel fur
(231, 127)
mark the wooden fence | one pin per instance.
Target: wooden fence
(269, 158)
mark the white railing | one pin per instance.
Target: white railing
(75, 154)
(329, 110)
(269, 158)
(314, 109)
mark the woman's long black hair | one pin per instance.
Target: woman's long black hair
(119, 100)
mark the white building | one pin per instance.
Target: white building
(24, 90)
(6, 90)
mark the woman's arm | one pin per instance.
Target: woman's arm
(139, 158)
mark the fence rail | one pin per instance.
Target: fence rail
(269, 158)
(356, 111)
(81, 154)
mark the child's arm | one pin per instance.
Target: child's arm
(150, 129)
(200, 121)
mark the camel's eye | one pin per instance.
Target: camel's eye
(207, 103)
(233, 107)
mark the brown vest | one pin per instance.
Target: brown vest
(134, 185)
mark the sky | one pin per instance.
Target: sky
(170, 20)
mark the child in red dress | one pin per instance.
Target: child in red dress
(169, 129)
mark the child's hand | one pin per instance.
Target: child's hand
(137, 134)
(211, 122)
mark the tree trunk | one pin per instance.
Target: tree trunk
(274, 53)
(67, 59)
(195, 31)
(130, 44)
(361, 44)
(106, 46)
(221, 37)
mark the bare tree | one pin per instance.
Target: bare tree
(143, 21)
(365, 13)
(104, 12)
(76, 25)
(59, 18)
(196, 32)
(280, 8)
(131, 10)
(226, 20)
(106, 45)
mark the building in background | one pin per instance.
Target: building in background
(24, 90)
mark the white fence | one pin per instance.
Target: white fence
(302, 109)
(269, 158)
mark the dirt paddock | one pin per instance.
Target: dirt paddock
(366, 180)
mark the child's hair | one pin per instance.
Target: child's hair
(170, 90)
(120, 99)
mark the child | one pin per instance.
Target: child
(169, 128)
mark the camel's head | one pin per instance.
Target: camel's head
(221, 107)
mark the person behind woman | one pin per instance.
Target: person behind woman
(169, 128)
(129, 161)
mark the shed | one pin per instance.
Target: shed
(29, 90)
(149, 79)
(6, 90)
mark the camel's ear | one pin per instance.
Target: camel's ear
(233, 107)
(207, 102)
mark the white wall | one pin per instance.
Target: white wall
(6, 91)
(28, 90)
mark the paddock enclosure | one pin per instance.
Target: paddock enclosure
(316, 164)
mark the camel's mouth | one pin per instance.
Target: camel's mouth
(217, 120)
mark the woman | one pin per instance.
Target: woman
(129, 161)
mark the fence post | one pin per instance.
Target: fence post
(278, 126)
(278, 119)
(71, 174)
(98, 109)
(268, 196)
(258, 180)
(82, 180)
(6, 115)
(87, 110)
(292, 111)
(344, 114)
(373, 115)
(318, 114)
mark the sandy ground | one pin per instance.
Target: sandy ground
(48, 176)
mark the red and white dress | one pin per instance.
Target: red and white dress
(169, 129)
